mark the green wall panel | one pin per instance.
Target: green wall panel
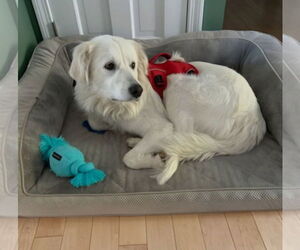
(29, 34)
(213, 15)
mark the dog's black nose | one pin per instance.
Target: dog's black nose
(135, 90)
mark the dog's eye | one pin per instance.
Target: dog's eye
(132, 65)
(110, 66)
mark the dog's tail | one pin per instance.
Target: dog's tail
(190, 146)
(187, 147)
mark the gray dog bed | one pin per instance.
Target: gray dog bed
(250, 181)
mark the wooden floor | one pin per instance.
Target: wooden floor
(259, 15)
(220, 231)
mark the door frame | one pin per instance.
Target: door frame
(44, 17)
(194, 21)
(195, 14)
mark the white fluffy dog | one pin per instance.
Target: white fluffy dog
(213, 113)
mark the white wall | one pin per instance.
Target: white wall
(8, 34)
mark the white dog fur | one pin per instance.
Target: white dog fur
(214, 113)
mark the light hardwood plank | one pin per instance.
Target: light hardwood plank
(77, 233)
(291, 230)
(27, 228)
(270, 228)
(160, 234)
(216, 232)
(244, 231)
(50, 243)
(9, 233)
(132, 230)
(188, 235)
(51, 227)
(298, 213)
(133, 247)
(280, 214)
(105, 233)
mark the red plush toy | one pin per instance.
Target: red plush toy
(158, 72)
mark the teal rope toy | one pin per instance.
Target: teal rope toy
(67, 161)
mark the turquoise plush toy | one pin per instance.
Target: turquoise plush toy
(67, 161)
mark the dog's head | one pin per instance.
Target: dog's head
(111, 76)
(111, 66)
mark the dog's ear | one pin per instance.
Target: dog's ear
(142, 64)
(80, 69)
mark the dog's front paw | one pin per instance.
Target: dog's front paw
(139, 161)
(132, 141)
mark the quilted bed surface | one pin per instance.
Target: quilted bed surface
(259, 168)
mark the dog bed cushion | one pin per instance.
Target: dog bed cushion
(250, 181)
